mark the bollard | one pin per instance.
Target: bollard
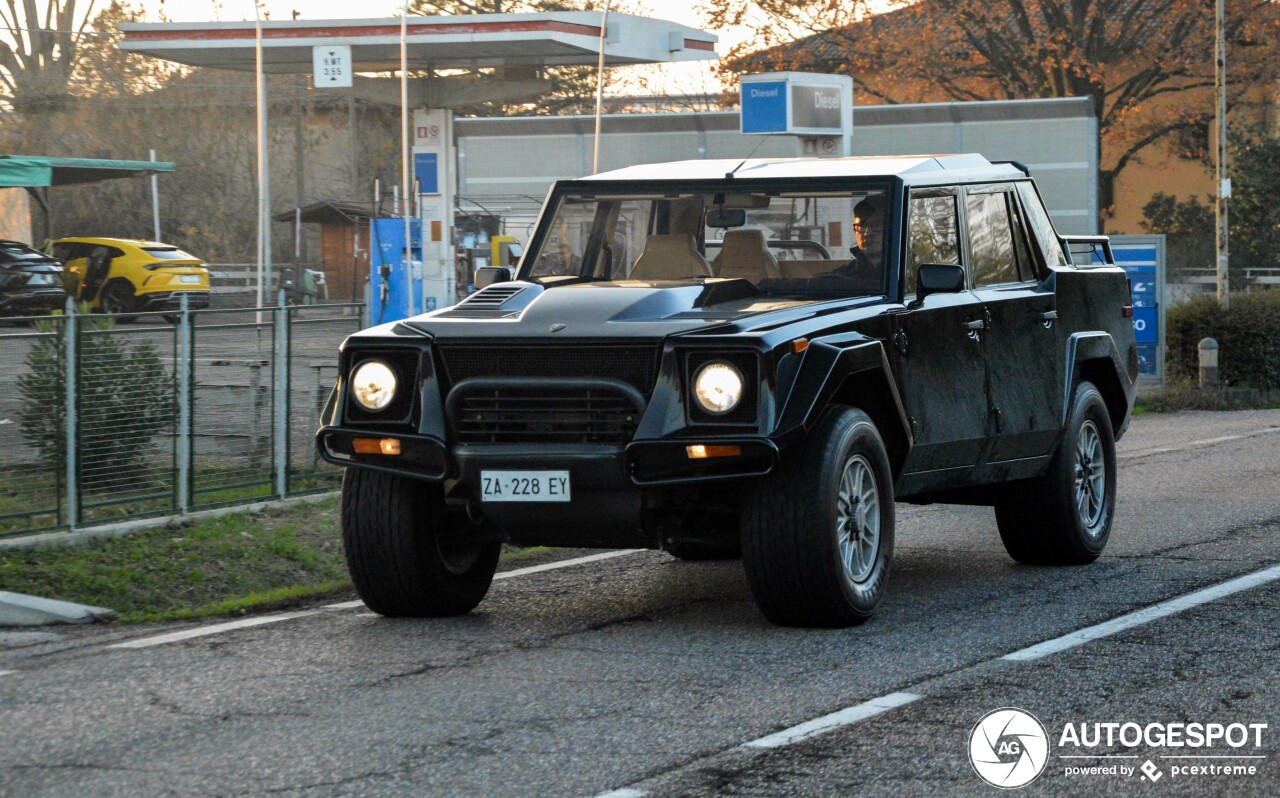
(1208, 363)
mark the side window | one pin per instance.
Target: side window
(991, 239)
(1041, 225)
(933, 234)
(113, 252)
(62, 252)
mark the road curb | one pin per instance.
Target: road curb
(18, 609)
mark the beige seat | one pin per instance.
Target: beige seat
(672, 256)
(745, 254)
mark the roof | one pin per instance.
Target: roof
(141, 243)
(335, 211)
(466, 41)
(918, 168)
(36, 171)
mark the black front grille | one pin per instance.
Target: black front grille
(489, 411)
(635, 365)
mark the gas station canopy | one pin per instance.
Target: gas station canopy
(559, 38)
(38, 171)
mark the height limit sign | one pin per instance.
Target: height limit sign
(331, 66)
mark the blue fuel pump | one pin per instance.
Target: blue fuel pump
(395, 287)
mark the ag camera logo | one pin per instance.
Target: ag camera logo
(1008, 748)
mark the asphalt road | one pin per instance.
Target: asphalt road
(639, 674)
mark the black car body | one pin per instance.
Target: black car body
(31, 282)
(653, 398)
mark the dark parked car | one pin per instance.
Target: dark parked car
(625, 391)
(31, 282)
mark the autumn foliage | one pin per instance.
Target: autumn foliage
(1147, 65)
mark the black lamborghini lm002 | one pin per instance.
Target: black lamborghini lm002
(756, 360)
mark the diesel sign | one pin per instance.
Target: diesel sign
(816, 108)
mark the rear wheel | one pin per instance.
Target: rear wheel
(117, 299)
(1064, 517)
(408, 555)
(817, 537)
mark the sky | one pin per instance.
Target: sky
(687, 78)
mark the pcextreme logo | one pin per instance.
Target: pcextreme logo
(1008, 748)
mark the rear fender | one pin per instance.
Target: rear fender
(1093, 356)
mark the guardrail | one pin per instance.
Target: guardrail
(105, 421)
(1209, 276)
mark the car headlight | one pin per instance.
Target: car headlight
(718, 387)
(373, 384)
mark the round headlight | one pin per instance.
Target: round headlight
(718, 388)
(373, 385)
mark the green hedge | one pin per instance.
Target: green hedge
(1248, 336)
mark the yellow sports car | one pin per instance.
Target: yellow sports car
(125, 275)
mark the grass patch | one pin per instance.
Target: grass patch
(218, 566)
(1186, 395)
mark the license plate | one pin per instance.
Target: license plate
(190, 278)
(524, 486)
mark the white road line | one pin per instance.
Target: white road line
(845, 717)
(203, 631)
(625, 792)
(551, 566)
(1146, 615)
(7, 673)
(1196, 444)
(532, 569)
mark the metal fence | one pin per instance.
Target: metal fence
(106, 419)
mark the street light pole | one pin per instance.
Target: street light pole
(604, 27)
(1224, 182)
(404, 155)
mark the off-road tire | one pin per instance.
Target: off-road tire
(790, 540)
(404, 549)
(1040, 520)
(117, 298)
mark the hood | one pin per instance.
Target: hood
(635, 309)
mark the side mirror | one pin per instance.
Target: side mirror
(488, 275)
(938, 278)
(721, 218)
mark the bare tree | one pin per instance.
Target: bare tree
(40, 51)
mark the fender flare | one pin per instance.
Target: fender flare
(1097, 348)
(828, 365)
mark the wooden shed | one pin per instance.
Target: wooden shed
(344, 243)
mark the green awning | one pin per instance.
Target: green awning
(35, 171)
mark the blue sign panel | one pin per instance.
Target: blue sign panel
(1146, 323)
(764, 107)
(1139, 262)
(426, 167)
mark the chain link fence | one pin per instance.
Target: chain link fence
(106, 419)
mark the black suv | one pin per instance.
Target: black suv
(623, 390)
(31, 282)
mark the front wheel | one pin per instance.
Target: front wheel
(817, 534)
(118, 300)
(408, 555)
(1064, 517)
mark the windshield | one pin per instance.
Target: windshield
(782, 241)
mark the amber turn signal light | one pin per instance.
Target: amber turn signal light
(376, 445)
(799, 345)
(702, 452)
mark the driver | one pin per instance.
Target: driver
(868, 236)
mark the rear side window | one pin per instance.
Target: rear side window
(933, 234)
(995, 260)
(1041, 226)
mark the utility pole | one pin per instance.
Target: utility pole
(1224, 182)
(604, 28)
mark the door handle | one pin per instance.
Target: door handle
(976, 324)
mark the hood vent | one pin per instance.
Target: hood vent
(492, 296)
